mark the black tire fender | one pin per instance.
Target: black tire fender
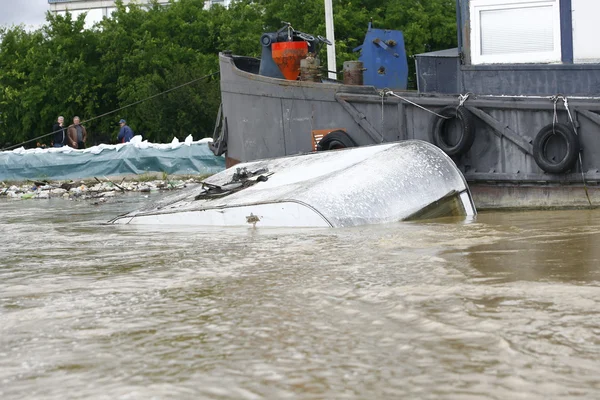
(440, 130)
(540, 142)
(335, 140)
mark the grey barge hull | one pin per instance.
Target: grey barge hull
(266, 117)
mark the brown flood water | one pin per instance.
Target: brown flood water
(502, 307)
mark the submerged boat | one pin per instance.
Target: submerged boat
(516, 105)
(364, 185)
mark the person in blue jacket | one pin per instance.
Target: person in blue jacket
(125, 134)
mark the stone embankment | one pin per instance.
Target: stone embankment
(85, 190)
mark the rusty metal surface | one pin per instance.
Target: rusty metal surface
(310, 69)
(353, 73)
(287, 56)
(230, 162)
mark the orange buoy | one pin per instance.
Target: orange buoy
(287, 56)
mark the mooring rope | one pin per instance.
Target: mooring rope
(462, 98)
(461, 101)
(555, 99)
(117, 110)
(414, 104)
(382, 99)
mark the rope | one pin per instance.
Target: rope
(415, 104)
(382, 98)
(461, 101)
(118, 109)
(555, 99)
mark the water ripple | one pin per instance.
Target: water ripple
(502, 307)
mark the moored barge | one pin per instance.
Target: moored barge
(516, 105)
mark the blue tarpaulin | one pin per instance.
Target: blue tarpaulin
(189, 158)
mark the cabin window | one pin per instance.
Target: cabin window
(586, 30)
(515, 31)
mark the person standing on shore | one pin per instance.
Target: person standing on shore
(77, 134)
(59, 137)
(125, 133)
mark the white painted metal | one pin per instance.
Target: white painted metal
(467, 202)
(329, 32)
(364, 185)
(286, 214)
(515, 31)
(586, 31)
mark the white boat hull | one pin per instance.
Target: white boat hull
(364, 185)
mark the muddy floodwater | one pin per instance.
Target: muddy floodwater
(503, 307)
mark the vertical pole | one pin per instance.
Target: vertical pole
(331, 65)
(459, 26)
(465, 28)
(566, 31)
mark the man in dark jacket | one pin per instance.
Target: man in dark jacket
(125, 133)
(77, 134)
(59, 138)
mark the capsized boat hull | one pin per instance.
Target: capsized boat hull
(364, 185)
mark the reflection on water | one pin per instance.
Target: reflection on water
(502, 307)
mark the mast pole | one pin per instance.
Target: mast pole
(331, 64)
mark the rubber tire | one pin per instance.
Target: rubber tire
(335, 140)
(468, 132)
(571, 140)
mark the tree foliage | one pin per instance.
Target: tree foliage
(138, 52)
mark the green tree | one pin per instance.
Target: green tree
(127, 60)
(17, 51)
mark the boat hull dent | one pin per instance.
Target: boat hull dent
(364, 185)
(268, 117)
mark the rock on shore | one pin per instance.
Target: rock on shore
(83, 190)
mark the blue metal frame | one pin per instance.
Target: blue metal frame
(566, 32)
(384, 59)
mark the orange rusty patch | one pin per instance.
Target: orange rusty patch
(230, 162)
(287, 56)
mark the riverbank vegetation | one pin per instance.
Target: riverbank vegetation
(63, 68)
